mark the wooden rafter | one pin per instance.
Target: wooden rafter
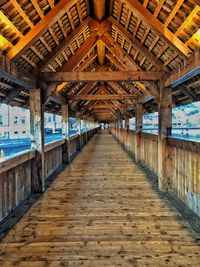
(159, 7)
(64, 44)
(14, 93)
(115, 61)
(22, 13)
(99, 9)
(173, 12)
(10, 72)
(136, 44)
(45, 23)
(158, 27)
(10, 25)
(101, 52)
(117, 51)
(188, 20)
(81, 53)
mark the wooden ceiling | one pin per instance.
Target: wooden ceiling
(99, 36)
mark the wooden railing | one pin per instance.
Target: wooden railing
(186, 171)
(185, 180)
(149, 151)
(15, 181)
(17, 174)
(53, 157)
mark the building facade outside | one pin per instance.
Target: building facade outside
(14, 122)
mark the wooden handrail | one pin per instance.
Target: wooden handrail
(16, 160)
(53, 145)
(184, 144)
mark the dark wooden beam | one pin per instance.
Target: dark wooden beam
(10, 72)
(190, 69)
(14, 93)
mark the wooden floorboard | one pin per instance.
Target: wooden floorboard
(101, 211)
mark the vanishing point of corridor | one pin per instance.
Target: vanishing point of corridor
(101, 211)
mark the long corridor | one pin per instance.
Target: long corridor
(101, 211)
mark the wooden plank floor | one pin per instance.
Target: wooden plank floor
(101, 211)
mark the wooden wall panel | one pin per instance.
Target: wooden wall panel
(15, 186)
(186, 177)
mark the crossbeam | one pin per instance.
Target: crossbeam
(103, 76)
(100, 97)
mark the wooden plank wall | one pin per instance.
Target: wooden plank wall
(186, 172)
(149, 151)
(185, 180)
(15, 183)
(53, 159)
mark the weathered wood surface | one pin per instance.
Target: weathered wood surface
(53, 157)
(15, 182)
(186, 172)
(149, 151)
(101, 211)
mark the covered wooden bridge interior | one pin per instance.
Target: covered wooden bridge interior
(101, 61)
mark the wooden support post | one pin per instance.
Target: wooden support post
(139, 113)
(126, 118)
(101, 52)
(78, 120)
(37, 140)
(65, 127)
(164, 151)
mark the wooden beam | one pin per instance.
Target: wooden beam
(111, 6)
(100, 97)
(99, 9)
(45, 23)
(64, 44)
(14, 93)
(117, 51)
(37, 140)
(86, 62)
(189, 93)
(22, 13)
(101, 52)
(102, 76)
(99, 106)
(190, 69)
(10, 25)
(164, 151)
(81, 53)
(173, 12)
(158, 8)
(11, 72)
(136, 44)
(158, 27)
(115, 61)
(85, 90)
(57, 98)
(188, 20)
